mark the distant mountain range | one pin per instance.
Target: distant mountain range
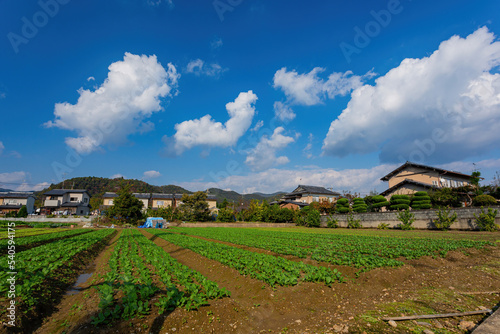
(3, 189)
(97, 186)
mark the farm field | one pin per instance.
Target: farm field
(253, 280)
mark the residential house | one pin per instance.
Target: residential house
(66, 201)
(309, 194)
(144, 198)
(108, 199)
(212, 203)
(12, 201)
(162, 201)
(410, 177)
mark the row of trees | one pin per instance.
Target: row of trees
(127, 208)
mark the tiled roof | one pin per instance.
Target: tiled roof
(412, 164)
(304, 189)
(16, 194)
(161, 196)
(142, 195)
(408, 181)
(110, 195)
(59, 192)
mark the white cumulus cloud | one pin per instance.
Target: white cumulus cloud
(2, 147)
(272, 180)
(151, 174)
(199, 67)
(440, 108)
(309, 89)
(116, 176)
(29, 187)
(207, 132)
(263, 155)
(132, 92)
(283, 112)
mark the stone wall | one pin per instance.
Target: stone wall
(239, 224)
(423, 218)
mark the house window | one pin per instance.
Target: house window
(110, 202)
(315, 198)
(85, 200)
(435, 183)
(160, 203)
(73, 199)
(53, 198)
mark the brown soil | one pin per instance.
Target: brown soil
(421, 286)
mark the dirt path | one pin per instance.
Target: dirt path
(75, 311)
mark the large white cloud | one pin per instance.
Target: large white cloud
(132, 92)
(272, 180)
(263, 156)
(440, 108)
(309, 89)
(207, 132)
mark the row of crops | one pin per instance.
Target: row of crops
(269, 269)
(26, 232)
(366, 252)
(28, 241)
(133, 267)
(38, 267)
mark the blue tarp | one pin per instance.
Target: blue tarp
(156, 222)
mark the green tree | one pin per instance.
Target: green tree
(96, 202)
(195, 207)
(126, 207)
(23, 212)
(224, 204)
(486, 220)
(406, 218)
(445, 197)
(225, 215)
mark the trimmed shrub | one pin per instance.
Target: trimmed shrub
(359, 205)
(421, 200)
(400, 202)
(486, 220)
(444, 220)
(484, 200)
(343, 205)
(379, 202)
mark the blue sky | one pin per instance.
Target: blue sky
(246, 95)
